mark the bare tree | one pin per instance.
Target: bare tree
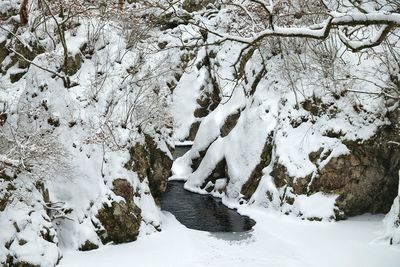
(121, 4)
(37, 154)
(60, 15)
(359, 24)
(349, 17)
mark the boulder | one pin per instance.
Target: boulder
(121, 221)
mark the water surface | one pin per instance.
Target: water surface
(201, 212)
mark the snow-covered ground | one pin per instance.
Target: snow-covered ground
(277, 240)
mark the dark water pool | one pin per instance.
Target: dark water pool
(180, 151)
(201, 212)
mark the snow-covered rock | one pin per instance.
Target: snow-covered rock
(84, 150)
(291, 132)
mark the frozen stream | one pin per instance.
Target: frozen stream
(201, 212)
(276, 240)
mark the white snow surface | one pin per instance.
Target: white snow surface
(277, 240)
(184, 99)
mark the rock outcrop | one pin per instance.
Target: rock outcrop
(150, 162)
(121, 222)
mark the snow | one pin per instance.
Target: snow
(276, 240)
(184, 98)
(315, 205)
(28, 243)
(184, 143)
(86, 185)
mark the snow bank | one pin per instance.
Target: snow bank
(278, 241)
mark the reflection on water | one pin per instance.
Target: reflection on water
(234, 237)
(202, 212)
(180, 151)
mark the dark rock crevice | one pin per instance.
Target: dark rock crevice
(220, 171)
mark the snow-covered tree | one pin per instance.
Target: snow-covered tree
(360, 24)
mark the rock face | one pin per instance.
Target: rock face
(365, 180)
(209, 100)
(219, 171)
(147, 160)
(230, 123)
(3, 51)
(15, 60)
(121, 220)
(252, 183)
(87, 246)
(160, 169)
(30, 54)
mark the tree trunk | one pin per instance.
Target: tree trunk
(121, 4)
(23, 13)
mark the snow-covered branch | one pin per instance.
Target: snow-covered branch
(381, 21)
(388, 22)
